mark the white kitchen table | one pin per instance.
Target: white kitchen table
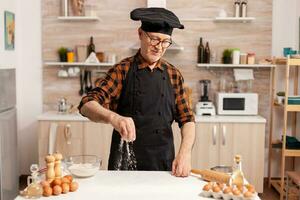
(135, 185)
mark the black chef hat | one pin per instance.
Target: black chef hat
(158, 20)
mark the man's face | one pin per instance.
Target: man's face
(153, 45)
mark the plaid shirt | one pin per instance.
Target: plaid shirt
(108, 90)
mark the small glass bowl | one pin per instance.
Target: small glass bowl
(83, 165)
(222, 168)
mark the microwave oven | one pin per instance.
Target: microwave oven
(237, 103)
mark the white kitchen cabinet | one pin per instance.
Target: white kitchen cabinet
(69, 136)
(205, 152)
(218, 143)
(76, 138)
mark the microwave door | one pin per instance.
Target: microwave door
(234, 104)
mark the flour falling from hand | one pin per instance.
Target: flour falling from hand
(125, 157)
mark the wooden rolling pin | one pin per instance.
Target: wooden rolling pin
(210, 175)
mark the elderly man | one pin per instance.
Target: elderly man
(141, 97)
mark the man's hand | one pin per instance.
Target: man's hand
(181, 165)
(124, 125)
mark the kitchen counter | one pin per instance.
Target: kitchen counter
(135, 185)
(231, 119)
(55, 116)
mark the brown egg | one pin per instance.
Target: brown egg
(227, 190)
(57, 190)
(250, 188)
(221, 185)
(207, 187)
(56, 181)
(216, 189)
(47, 191)
(65, 180)
(44, 183)
(241, 188)
(210, 183)
(65, 188)
(69, 177)
(236, 192)
(248, 194)
(73, 186)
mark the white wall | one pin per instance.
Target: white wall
(29, 81)
(285, 33)
(7, 58)
(285, 25)
(26, 59)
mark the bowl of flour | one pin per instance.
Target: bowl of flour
(83, 165)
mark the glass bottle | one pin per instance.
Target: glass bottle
(70, 55)
(207, 53)
(91, 47)
(34, 189)
(200, 52)
(237, 177)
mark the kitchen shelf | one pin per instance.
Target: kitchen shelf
(278, 105)
(293, 108)
(277, 145)
(288, 63)
(78, 18)
(289, 108)
(197, 19)
(234, 19)
(288, 151)
(292, 152)
(283, 61)
(79, 64)
(221, 19)
(233, 66)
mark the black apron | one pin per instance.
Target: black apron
(148, 98)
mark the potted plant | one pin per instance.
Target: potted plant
(62, 52)
(227, 56)
(280, 97)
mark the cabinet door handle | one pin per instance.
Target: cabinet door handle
(224, 135)
(68, 133)
(214, 135)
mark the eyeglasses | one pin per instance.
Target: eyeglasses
(154, 41)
